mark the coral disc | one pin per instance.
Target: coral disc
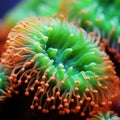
(61, 64)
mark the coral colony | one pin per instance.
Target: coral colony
(3, 83)
(63, 60)
(73, 71)
(94, 16)
(105, 116)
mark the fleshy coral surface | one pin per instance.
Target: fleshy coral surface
(92, 15)
(62, 64)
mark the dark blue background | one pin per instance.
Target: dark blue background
(6, 5)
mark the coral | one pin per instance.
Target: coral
(97, 16)
(105, 116)
(65, 68)
(116, 104)
(115, 60)
(6, 88)
(3, 83)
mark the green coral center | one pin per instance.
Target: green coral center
(68, 53)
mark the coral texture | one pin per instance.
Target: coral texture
(105, 116)
(100, 17)
(65, 68)
(3, 84)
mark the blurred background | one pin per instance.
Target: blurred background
(6, 5)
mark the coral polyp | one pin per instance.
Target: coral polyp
(65, 68)
(92, 15)
(109, 115)
(3, 84)
(116, 104)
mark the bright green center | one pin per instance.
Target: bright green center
(68, 53)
